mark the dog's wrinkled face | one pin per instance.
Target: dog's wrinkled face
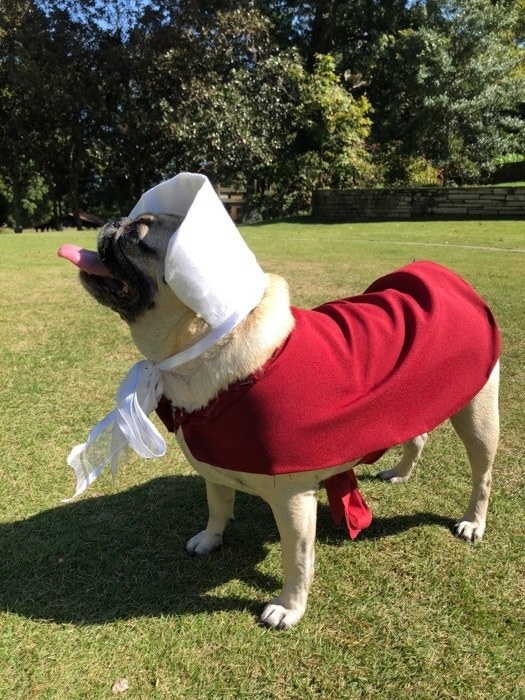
(132, 251)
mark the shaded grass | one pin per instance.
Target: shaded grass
(101, 588)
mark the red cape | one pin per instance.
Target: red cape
(354, 378)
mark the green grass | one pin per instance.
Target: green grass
(101, 588)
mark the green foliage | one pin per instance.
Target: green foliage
(103, 99)
(327, 142)
(509, 158)
(34, 202)
(399, 169)
(235, 114)
(458, 87)
(334, 125)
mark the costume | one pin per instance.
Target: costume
(354, 378)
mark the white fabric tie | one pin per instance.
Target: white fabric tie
(128, 425)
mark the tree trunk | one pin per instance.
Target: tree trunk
(74, 168)
(57, 213)
(322, 34)
(17, 205)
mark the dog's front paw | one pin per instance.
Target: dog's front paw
(277, 617)
(470, 531)
(203, 543)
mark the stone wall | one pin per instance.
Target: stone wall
(419, 203)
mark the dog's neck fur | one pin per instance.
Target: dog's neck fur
(238, 355)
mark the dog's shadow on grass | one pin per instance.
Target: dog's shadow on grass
(122, 556)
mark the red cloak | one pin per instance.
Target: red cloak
(354, 378)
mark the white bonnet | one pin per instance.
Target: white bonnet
(208, 264)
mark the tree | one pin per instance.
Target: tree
(68, 96)
(101, 99)
(48, 89)
(348, 31)
(234, 109)
(454, 95)
(19, 113)
(326, 144)
(137, 103)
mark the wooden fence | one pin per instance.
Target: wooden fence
(234, 200)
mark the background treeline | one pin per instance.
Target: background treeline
(100, 99)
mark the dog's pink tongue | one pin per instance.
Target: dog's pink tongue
(86, 260)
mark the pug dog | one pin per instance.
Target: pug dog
(228, 436)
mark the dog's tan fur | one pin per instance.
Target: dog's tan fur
(170, 327)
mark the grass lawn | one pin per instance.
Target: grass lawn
(101, 589)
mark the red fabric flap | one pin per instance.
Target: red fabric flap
(346, 502)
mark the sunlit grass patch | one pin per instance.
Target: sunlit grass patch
(101, 589)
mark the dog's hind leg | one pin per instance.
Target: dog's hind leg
(412, 450)
(478, 427)
(295, 514)
(221, 500)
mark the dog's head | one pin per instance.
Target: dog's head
(129, 273)
(173, 292)
(174, 276)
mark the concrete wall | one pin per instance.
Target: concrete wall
(415, 203)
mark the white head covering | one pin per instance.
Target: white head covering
(208, 264)
(211, 269)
